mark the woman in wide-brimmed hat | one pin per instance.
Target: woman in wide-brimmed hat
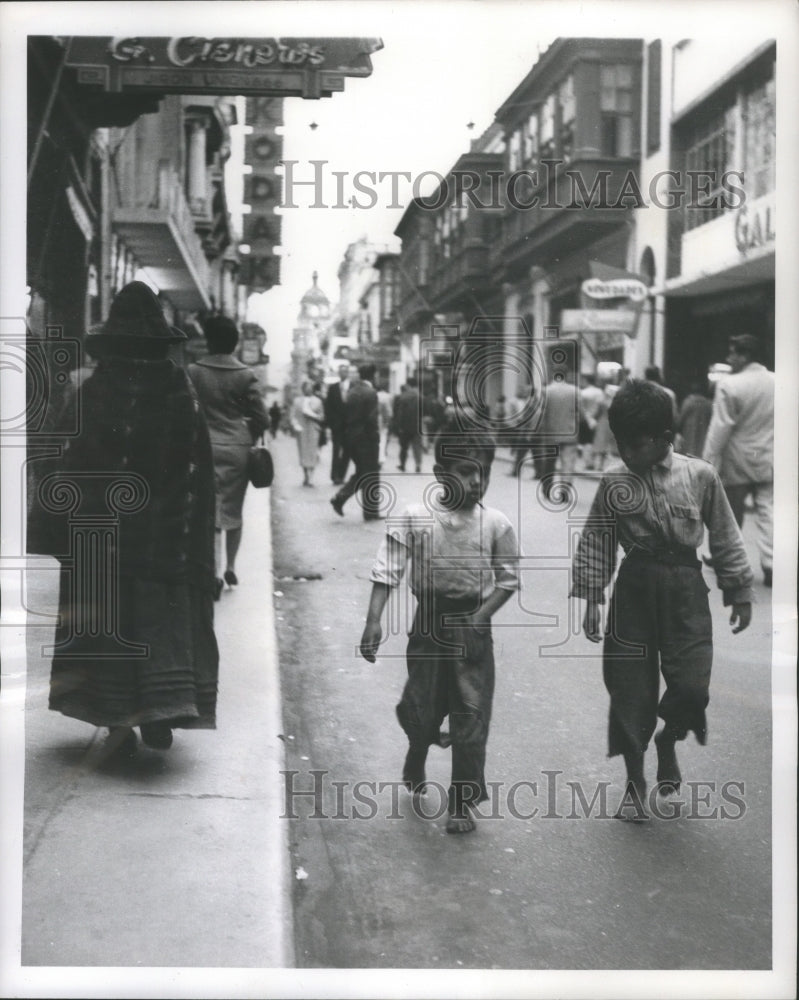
(142, 464)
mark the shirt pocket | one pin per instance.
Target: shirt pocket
(686, 524)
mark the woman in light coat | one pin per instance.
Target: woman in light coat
(307, 418)
(234, 410)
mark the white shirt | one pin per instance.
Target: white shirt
(455, 553)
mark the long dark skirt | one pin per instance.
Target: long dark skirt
(158, 660)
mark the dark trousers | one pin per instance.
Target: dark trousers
(450, 672)
(414, 442)
(659, 623)
(366, 478)
(340, 459)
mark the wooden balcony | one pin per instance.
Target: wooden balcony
(581, 204)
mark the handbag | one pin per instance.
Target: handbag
(260, 468)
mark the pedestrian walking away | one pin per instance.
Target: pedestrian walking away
(135, 647)
(523, 418)
(558, 430)
(275, 414)
(407, 420)
(464, 565)
(362, 443)
(307, 420)
(694, 419)
(334, 406)
(385, 411)
(231, 400)
(657, 503)
(740, 441)
(592, 401)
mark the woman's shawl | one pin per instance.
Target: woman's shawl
(141, 464)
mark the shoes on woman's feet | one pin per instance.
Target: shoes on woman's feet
(231, 579)
(219, 586)
(156, 735)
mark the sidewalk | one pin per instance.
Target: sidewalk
(174, 859)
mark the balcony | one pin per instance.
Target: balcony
(162, 238)
(461, 277)
(580, 204)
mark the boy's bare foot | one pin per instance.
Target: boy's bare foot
(632, 809)
(461, 821)
(669, 776)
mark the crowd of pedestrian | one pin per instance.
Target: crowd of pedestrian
(182, 439)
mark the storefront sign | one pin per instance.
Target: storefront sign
(282, 67)
(615, 288)
(754, 225)
(598, 321)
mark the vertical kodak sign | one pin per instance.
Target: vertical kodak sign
(263, 151)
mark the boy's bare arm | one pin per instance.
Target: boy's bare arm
(372, 632)
(489, 607)
(592, 622)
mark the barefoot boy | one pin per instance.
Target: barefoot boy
(659, 617)
(464, 567)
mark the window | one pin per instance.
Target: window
(547, 148)
(616, 109)
(653, 74)
(530, 143)
(759, 108)
(711, 151)
(515, 151)
(423, 260)
(566, 102)
(388, 289)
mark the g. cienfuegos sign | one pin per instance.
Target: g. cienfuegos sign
(190, 64)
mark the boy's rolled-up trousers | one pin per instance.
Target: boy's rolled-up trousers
(659, 622)
(450, 672)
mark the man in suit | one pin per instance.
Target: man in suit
(408, 424)
(362, 442)
(558, 429)
(334, 419)
(740, 440)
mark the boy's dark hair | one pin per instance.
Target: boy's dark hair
(221, 334)
(640, 407)
(454, 445)
(367, 372)
(745, 343)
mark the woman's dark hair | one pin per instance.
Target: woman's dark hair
(221, 334)
(638, 408)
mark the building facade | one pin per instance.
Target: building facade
(715, 255)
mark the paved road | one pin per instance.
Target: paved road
(552, 890)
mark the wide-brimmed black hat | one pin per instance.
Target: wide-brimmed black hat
(135, 314)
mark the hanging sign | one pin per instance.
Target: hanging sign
(598, 321)
(280, 67)
(615, 288)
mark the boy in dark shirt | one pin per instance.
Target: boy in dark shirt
(659, 620)
(463, 567)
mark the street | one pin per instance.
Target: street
(563, 887)
(183, 858)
